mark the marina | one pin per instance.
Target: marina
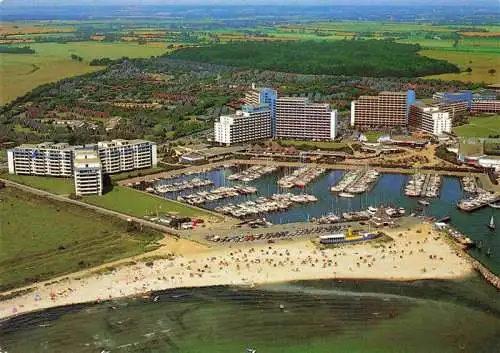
(469, 184)
(356, 181)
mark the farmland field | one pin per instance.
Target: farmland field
(34, 248)
(51, 62)
(480, 127)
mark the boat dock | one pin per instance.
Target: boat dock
(300, 177)
(481, 200)
(253, 173)
(469, 184)
(274, 203)
(216, 194)
(423, 185)
(183, 185)
(356, 181)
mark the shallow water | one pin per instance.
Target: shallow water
(310, 316)
(387, 191)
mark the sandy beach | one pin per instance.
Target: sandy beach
(419, 253)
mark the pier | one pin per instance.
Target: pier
(300, 177)
(253, 173)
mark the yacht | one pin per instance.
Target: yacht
(346, 194)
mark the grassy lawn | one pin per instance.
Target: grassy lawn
(139, 204)
(59, 186)
(373, 136)
(43, 238)
(479, 127)
(135, 173)
(21, 73)
(327, 145)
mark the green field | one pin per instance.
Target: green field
(22, 72)
(479, 127)
(59, 186)
(139, 204)
(44, 238)
(135, 173)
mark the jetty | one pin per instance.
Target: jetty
(180, 186)
(356, 181)
(469, 184)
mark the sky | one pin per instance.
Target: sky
(434, 3)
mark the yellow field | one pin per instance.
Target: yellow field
(26, 28)
(479, 62)
(21, 73)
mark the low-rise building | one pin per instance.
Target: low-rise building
(88, 172)
(252, 123)
(452, 97)
(44, 159)
(429, 119)
(297, 118)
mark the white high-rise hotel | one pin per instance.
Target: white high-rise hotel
(60, 159)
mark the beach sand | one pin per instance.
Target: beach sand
(419, 253)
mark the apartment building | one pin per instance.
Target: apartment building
(456, 110)
(297, 118)
(429, 119)
(388, 109)
(124, 155)
(48, 158)
(485, 106)
(253, 122)
(87, 172)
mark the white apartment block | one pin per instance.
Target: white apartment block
(124, 155)
(297, 118)
(253, 122)
(429, 119)
(48, 158)
(88, 172)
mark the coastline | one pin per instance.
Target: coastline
(415, 253)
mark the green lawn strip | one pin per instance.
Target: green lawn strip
(59, 186)
(139, 204)
(314, 144)
(42, 238)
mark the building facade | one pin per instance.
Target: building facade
(452, 97)
(297, 118)
(124, 155)
(87, 172)
(253, 122)
(388, 109)
(456, 110)
(44, 159)
(429, 119)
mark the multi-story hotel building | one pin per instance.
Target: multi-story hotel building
(388, 109)
(124, 155)
(253, 122)
(87, 172)
(429, 119)
(48, 158)
(297, 118)
(452, 97)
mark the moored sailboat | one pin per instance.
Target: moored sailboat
(491, 225)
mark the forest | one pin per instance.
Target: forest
(370, 58)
